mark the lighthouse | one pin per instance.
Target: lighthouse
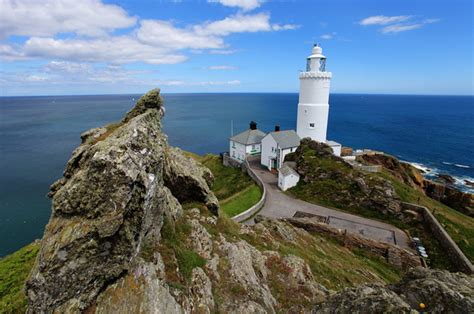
(313, 106)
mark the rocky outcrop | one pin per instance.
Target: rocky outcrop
(404, 172)
(438, 291)
(442, 191)
(331, 180)
(448, 195)
(111, 201)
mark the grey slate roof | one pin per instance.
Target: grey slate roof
(286, 171)
(248, 137)
(286, 139)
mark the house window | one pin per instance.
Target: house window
(253, 147)
(233, 144)
(311, 125)
(233, 153)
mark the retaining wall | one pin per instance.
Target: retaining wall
(255, 208)
(457, 257)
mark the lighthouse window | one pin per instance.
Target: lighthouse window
(311, 125)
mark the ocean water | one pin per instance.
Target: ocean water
(38, 135)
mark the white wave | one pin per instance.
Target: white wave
(462, 166)
(421, 167)
(447, 163)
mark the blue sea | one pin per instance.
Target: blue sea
(38, 135)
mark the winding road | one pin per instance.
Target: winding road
(281, 205)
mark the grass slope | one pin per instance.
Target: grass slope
(235, 190)
(14, 270)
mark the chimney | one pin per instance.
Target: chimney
(277, 128)
(253, 125)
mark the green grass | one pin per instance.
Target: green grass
(459, 226)
(242, 201)
(175, 252)
(14, 270)
(234, 189)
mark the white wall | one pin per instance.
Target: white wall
(283, 153)
(313, 106)
(336, 150)
(286, 182)
(237, 151)
(268, 142)
(253, 149)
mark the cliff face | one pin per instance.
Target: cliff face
(442, 192)
(119, 240)
(117, 188)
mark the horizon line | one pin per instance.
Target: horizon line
(211, 93)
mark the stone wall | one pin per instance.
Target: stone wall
(457, 257)
(230, 162)
(393, 254)
(255, 208)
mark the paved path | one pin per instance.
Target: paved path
(279, 204)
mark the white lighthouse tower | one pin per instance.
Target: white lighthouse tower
(313, 106)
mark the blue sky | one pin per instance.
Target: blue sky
(100, 47)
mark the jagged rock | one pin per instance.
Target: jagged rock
(189, 180)
(201, 290)
(446, 178)
(440, 291)
(364, 299)
(242, 258)
(463, 202)
(111, 201)
(200, 239)
(141, 291)
(92, 134)
(301, 277)
(400, 170)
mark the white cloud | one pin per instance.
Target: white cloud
(49, 17)
(223, 52)
(165, 34)
(221, 68)
(236, 24)
(120, 49)
(396, 24)
(397, 28)
(384, 20)
(328, 36)
(245, 5)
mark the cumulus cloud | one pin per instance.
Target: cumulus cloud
(221, 68)
(245, 5)
(49, 17)
(120, 49)
(154, 42)
(384, 20)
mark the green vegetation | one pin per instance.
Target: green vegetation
(459, 226)
(241, 201)
(332, 186)
(110, 128)
(235, 190)
(14, 270)
(176, 254)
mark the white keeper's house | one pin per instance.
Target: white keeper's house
(246, 143)
(276, 145)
